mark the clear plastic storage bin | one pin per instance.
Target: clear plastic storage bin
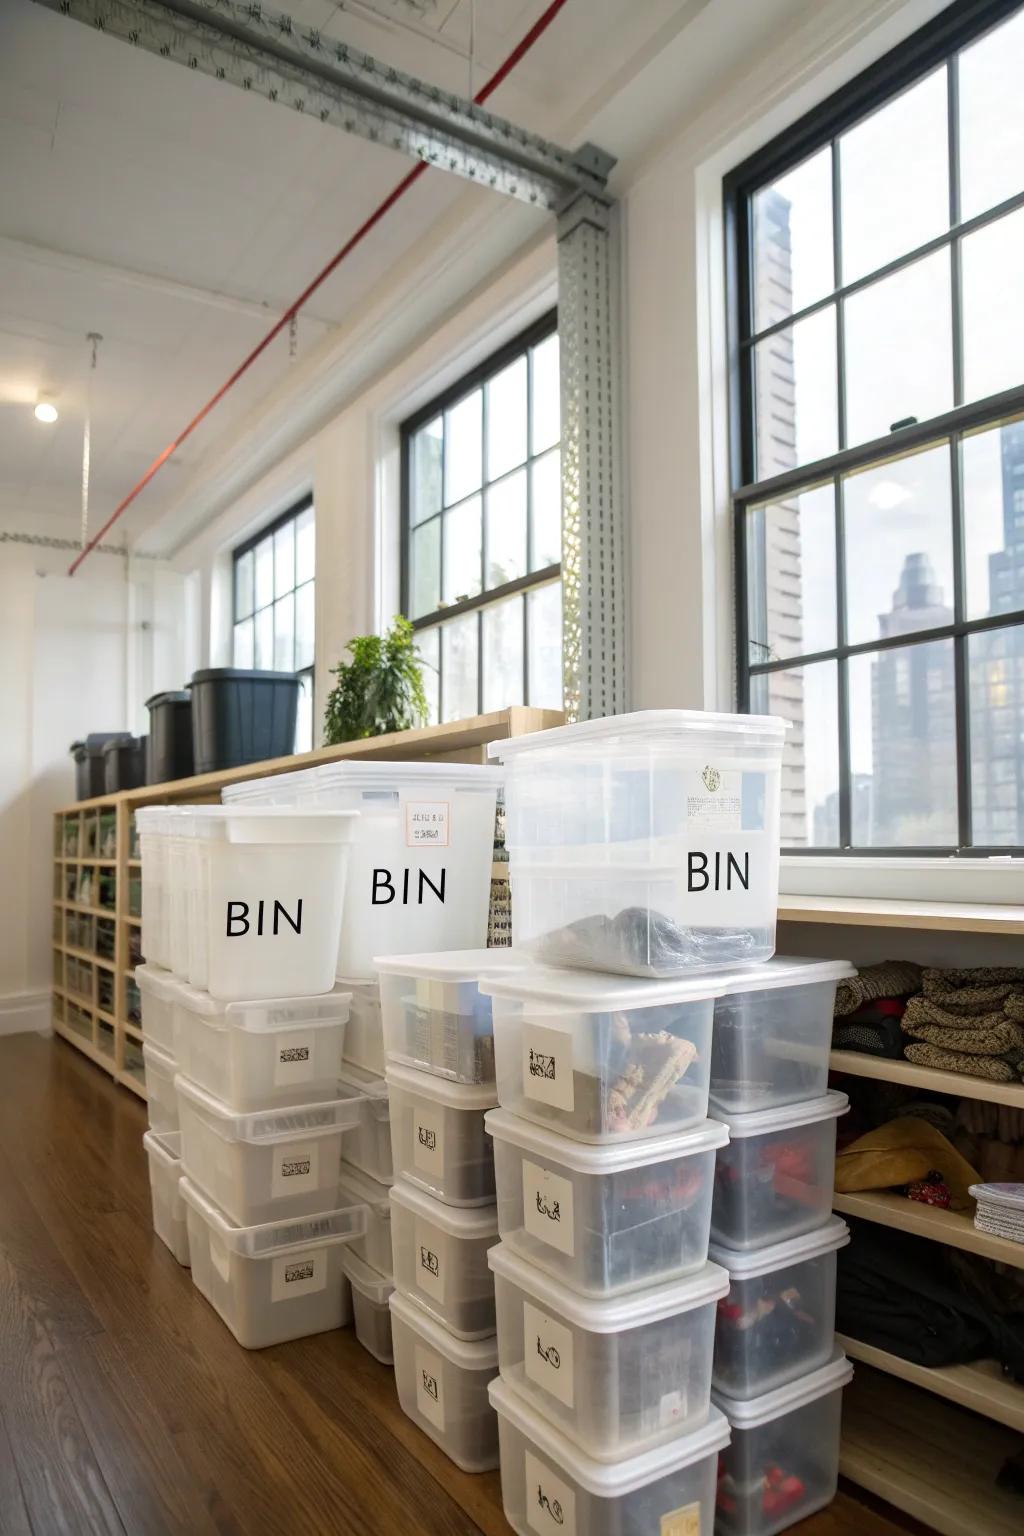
(441, 1260)
(773, 1033)
(549, 1485)
(368, 1145)
(273, 1282)
(151, 824)
(266, 1165)
(779, 1317)
(775, 1177)
(259, 1054)
(435, 1016)
(617, 1376)
(605, 1219)
(442, 1385)
(646, 844)
(158, 994)
(602, 1058)
(438, 1137)
(364, 1037)
(164, 1156)
(374, 1247)
(782, 1463)
(161, 1093)
(371, 1314)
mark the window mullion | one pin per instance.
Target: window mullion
(837, 261)
(843, 674)
(955, 262)
(961, 679)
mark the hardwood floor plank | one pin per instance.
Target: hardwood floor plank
(14, 1520)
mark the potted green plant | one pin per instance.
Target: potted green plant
(380, 690)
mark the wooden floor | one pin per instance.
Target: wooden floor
(127, 1407)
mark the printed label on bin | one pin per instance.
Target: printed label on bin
(429, 1387)
(297, 1274)
(729, 879)
(293, 1057)
(714, 799)
(548, 1358)
(296, 1169)
(428, 1138)
(682, 1522)
(547, 1065)
(547, 1207)
(430, 1274)
(427, 823)
(550, 1502)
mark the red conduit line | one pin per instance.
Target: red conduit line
(523, 47)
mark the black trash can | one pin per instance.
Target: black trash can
(124, 763)
(88, 755)
(242, 717)
(169, 753)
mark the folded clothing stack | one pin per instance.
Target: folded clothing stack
(969, 1021)
(869, 1008)
(1000, 1210)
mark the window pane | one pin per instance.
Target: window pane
(284, 633)
(462, 448)
(506, 529)
(899, 547)
(899, 360)
(460, 663)
(544, 632)
(546, 487)
(993, 479)
(992, 118)
(792, 233)
(243, 585)
(894, 170)
(304, 715)
(265, 639)
(284, 559)
(264, 572)
(809, 698)
(506, 419)
(243, 645)
(546, 408)
(795, 384)
(462, 553)
(903, 747)
(503, 654)
(996, 663)
(305, 547)
(993, 259)
(428, 646)
(425, 568)
(791, 576)
(305, 625)
(425, 454)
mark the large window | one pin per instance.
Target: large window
(876, 251)
(273, 606)
(481, 533)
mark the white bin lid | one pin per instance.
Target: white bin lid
(439, 1090)
(273, 1013)
(611, 1158)
(765, 1261)
(455, 1220)
(391, 775)
(361, 1187)
(595, 992)
(784, 1117)
(363, 991)
(264, 789)
(166, 1147)
(284, 824)
(608, 1479)
(276, 1237)
(470, 1354)
(158, 1059)
(782, 971)
(366, 1280)
(268, 1126)
(159, 983)
(611, 1314)
(750, 1412)
(1009, 1196)
(450, 965)
(646, 728)
(367, 1083)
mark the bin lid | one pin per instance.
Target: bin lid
(783, 1117)
(782, 971)
(177, 697)
(277, 1237)
(94, 743)
(748, 1413)
(261, 1015)
(612, 1157)
(470, 1354)
(611, 1314)
(116, 743)
(454, 1220)
(166, 1147)
(162, 984)
(450, 965)
(268, 1126)
(439, 1089)
(367, 1083)
(383, 774)
(596, 992)
(366, 1280)
(752, 1263)
(644, 728)
(361, 1187)
(247, 674)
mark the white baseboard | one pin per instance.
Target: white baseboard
(25, 1012)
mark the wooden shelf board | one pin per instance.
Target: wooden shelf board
(84, 954)
(85, 1046)
(109, 913)
(134, 1032)
(954, 1228)
(129, 1080)
(108, 1018)
(861, 911)
(134, 863)
(84, 858)
(129, 917)
(883, 1069)
(981, 1386)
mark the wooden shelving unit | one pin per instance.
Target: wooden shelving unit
(862, 912)
(954, 1228)
(980, 1386)
(884, 1070)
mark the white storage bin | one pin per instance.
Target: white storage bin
(151, 823)
(435, 1016)
(778, 1320)
(158, 994)
(368, 1144)
(163, 1154)
(602, 1058)
(775, 1177)
(549, 1485)
(374, 1247)
(273, 1282)
(420, 876)
(438, 1137)
(364, 1037)
(647, 843)
(267, 1165)
(441, 1260)
(258, 1054)
(605, 1219)
(773, 1033)
(617, 1376)
(370, 1311)
(161, 1093)
(782, 1462)
(442, 1385)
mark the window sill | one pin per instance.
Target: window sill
(877, 882)
(944, 916)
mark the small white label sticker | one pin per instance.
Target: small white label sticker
(550, 1503)
(548, 1353)
(293, 1057)
(429, 1387)
(296, 1169)
(427, 823)
(547, 1207)
(682, 1522)
(714, 799)
(547, 1065)
(428, 1138)
(298, 1274)
(430, 1268)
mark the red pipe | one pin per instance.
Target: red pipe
(505, 69)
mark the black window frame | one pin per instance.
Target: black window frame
(518, 346)
(937, 43)
(289, 515)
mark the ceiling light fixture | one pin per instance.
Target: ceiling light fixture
(46, 411)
